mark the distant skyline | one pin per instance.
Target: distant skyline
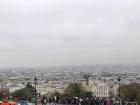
(69, 32)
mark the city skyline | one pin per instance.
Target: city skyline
(53, 33)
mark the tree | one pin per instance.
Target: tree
(57, 94)
(4, 92)
(138, 98)
(74, 90)
(26, 93)
(87, 94)
(130, 92)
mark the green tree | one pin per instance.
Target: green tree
(74, 90)
(87, 94)
(26, 93)
(138, 98)
(130, 92)
(4, 92)
(57, 94)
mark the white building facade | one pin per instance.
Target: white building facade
(99, 89)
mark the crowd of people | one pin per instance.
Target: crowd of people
(77, 101)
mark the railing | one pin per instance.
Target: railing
(126, 103)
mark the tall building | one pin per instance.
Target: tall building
(100, 89)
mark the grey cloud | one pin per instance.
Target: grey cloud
(59, 32)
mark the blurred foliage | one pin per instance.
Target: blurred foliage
(25, 93)
(4, 92)
(87, 94)
(76, 90)
(130, 92)
(57, 94)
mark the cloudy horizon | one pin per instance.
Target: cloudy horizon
(69, 32)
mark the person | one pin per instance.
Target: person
(43, 100)
(55, 100)
(5, 102)
(123, 103)
(97, 101)
(50, 100)
(23, 102)
(107, 101)
(81, 101)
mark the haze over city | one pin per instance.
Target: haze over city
(69, 52)
(69, 32)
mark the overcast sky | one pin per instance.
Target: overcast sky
(67, 32)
